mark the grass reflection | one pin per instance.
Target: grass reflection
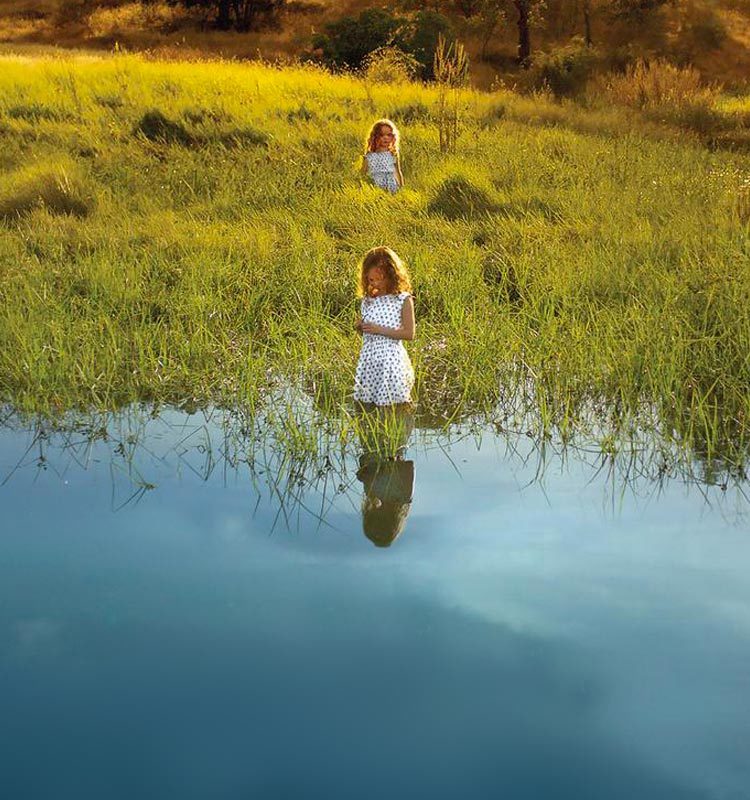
(306, 465)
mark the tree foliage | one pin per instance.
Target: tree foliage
(242, 15)
(348, 41)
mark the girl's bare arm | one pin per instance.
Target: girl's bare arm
(363, 168)
(399, 174)
(406, 330)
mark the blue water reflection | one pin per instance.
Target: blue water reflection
(528, 636)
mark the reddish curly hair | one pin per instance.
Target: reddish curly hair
(375, 130)
(395, 271)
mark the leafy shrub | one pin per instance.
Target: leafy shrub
(634, 10)
(701, 30)
(457, 197)
(390, 65)
(156, 127)
(58, 188)
(420, 38)
(68, 11)
(565, 70)
(347, 41)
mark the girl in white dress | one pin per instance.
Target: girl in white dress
(384, 373)
(381, 160)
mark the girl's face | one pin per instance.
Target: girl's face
(384, 138)
(377, 281)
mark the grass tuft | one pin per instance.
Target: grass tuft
(459, 198)
(156, 127)
(59, 189)
(36, 112)
(244, 137)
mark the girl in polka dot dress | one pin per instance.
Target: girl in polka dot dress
(384, 373)
(381, 159)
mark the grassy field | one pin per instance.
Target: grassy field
(190, 233)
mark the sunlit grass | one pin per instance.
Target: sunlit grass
(602, 283)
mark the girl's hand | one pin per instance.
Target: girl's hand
(358, 325)
(371, 327)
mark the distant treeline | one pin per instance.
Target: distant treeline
(560, 44)
(414, 25)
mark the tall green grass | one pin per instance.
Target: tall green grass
(592, 284)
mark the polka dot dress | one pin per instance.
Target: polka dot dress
(384, 373)
(382, 169)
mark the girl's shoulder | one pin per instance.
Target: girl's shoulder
(403, 295)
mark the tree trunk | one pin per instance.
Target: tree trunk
(223, 21)
(237, 8)
(587, 22)
(524, 36)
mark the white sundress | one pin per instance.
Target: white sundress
(384, 373)
(382, 170)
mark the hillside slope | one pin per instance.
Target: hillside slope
(714, 35)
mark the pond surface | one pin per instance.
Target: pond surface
(174, 624)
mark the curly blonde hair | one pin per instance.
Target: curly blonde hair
(395, 271)
(375, 130)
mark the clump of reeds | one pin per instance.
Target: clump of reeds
(655, 84)
(664, 92)
(451, 72)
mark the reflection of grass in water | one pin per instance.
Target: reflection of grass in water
(305, 474)
(602, 287)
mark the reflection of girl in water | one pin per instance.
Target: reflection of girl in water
(389, 486)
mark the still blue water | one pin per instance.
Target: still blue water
(172, 626)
